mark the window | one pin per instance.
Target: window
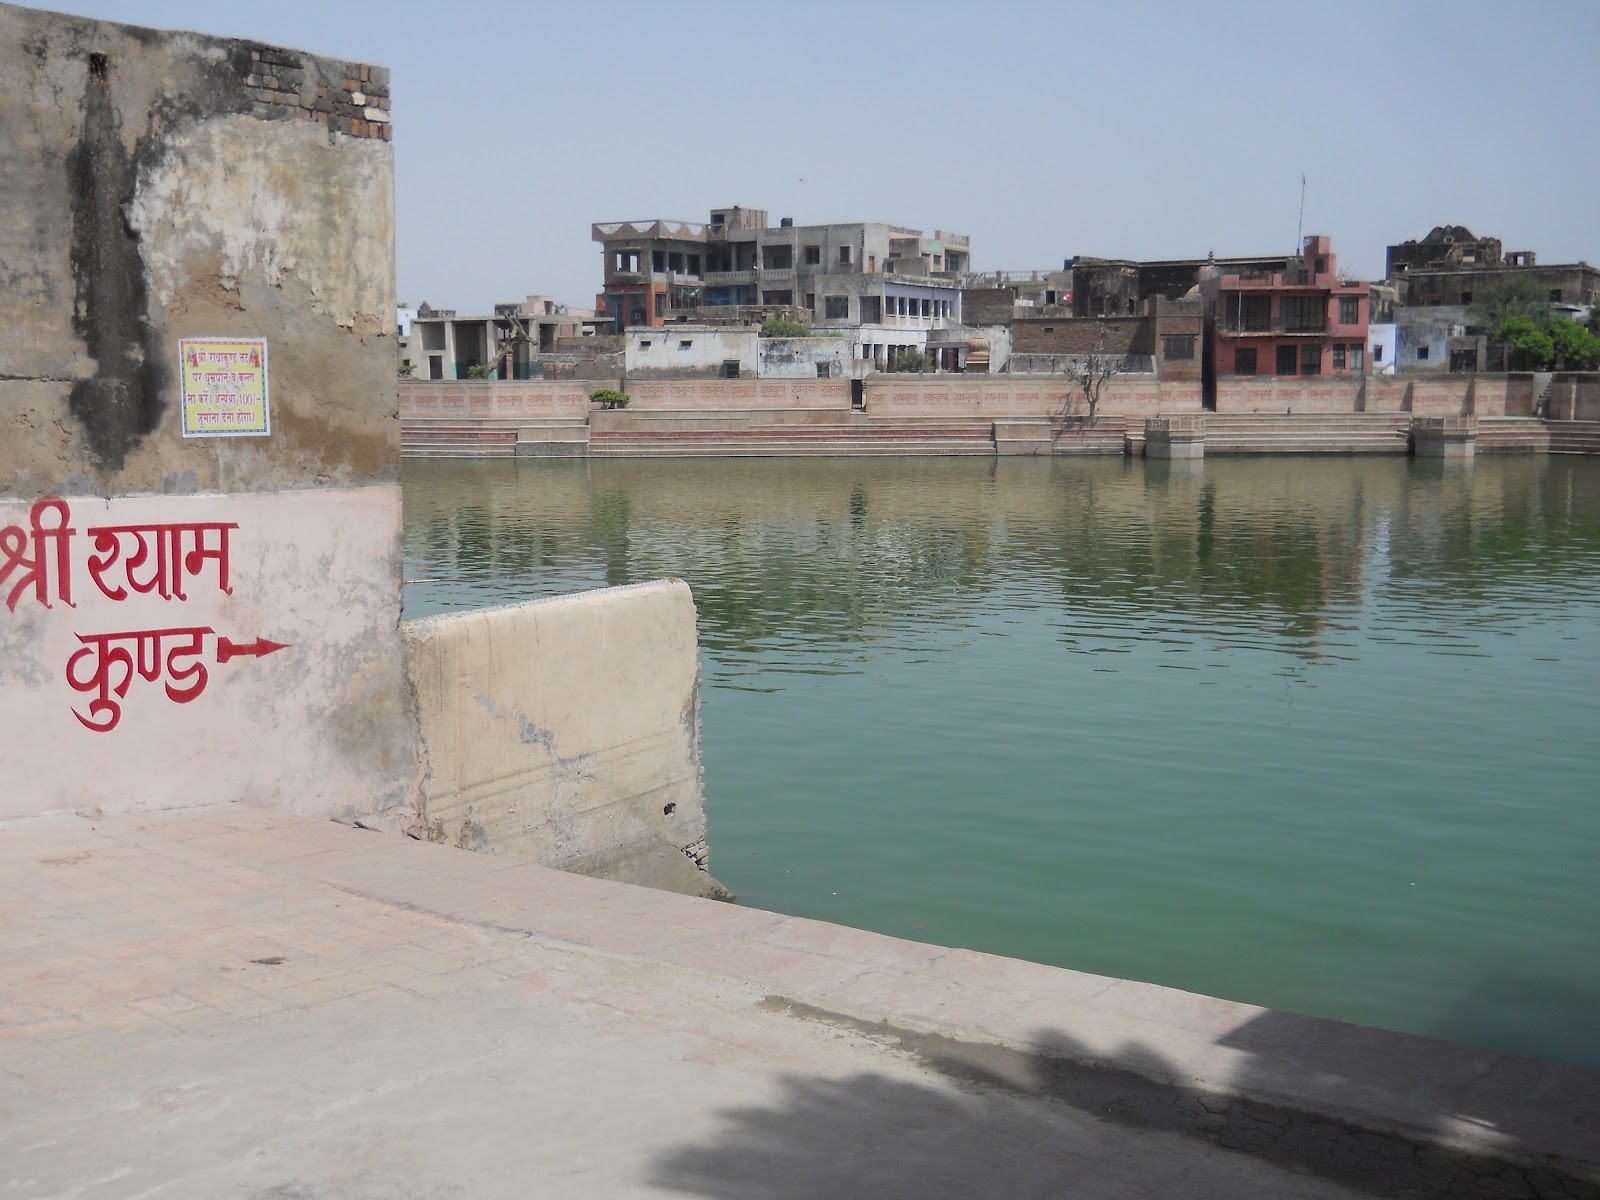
(1377, 354)
(836, 308)
(900, 306)
(872, 263)
(824, 370)
(871, 310)
(1555, 295)
(1322, 266)
(1422, 354)
(1288, 360)
(844, 255)
(1349, 310)
(777, 258)
(927, 308)
(730, 368)
(1252, 314)
(1179, 346)
(1355, 357)
(675, 262)
(777, 297)
(1244, 360)
(1310, 360)
(694, 264)
(661, 303)
(1338, 358)
(811, 301)
(1466, 297)
(1302, 314)
(658, 260)
(645, 344)
(686, 343)
(813, 255)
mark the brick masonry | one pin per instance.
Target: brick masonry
(351, 99)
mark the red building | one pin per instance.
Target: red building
(1302, 320)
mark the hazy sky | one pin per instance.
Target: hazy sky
(1042, 130)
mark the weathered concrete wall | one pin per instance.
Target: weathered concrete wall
(801, 358)
(566, 731)
(194, 619)
(150, 194)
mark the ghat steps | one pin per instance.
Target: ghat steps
(855, 434)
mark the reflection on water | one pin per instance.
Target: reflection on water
(1314, 733)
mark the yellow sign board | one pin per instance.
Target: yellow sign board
(224, 387)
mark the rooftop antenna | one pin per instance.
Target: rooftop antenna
(1300, 225)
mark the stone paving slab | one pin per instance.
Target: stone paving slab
(235, 1002)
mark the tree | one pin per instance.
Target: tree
(1575, 348)
(1095, 369)
(608, 398)
(1529, 346)
(477, 371)
(1514, 296)
(780, 327)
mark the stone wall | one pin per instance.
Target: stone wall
(1575, 396)
(1019, 396)
(199, 540)
(523, 400)
(1479, 395)
(739, 394)
(567, 732)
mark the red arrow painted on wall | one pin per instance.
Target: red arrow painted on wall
(227, 648)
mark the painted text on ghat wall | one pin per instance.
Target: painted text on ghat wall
(165, 560)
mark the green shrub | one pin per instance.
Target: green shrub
(909, 359)
(608, 398)
(778, 327)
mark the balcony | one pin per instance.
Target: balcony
(1277, 330)
(727, 278)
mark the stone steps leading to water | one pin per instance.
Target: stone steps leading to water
(1225, 434)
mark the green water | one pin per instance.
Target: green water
(1318, 734)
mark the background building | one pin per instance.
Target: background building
(1302, 320)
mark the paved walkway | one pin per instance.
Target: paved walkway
(232, 1003)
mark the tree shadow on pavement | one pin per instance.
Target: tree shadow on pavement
(996, 1122)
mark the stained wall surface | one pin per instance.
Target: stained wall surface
(566, 731)
(199, 600)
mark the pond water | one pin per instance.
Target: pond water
(1314, 733)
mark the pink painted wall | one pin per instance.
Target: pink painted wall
(1480, 395)
(685, 394)
(532, 399)
(1575, 397)
(116, 697)
(1019, 396)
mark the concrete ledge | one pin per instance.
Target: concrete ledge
(392, 964)
(1178, 437)
(567, 731)
(1443, 437)
(560, 442)
(1469, 1099)
(1023, 437)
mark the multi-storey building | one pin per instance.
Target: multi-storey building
(1302, 320)
(1109, 287)
(1452, 267)
(888, 283)
(505, 345)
